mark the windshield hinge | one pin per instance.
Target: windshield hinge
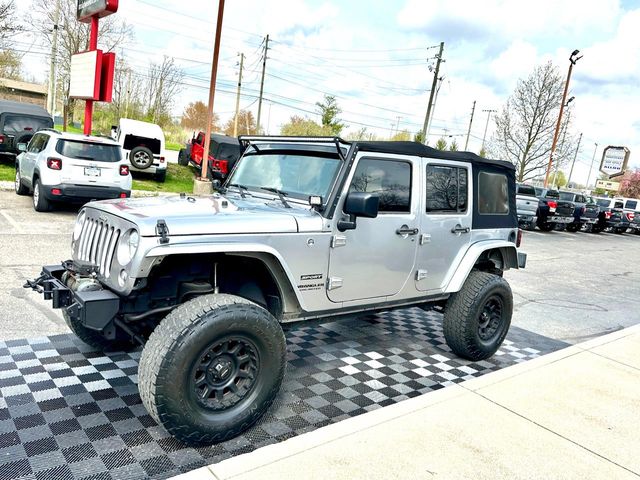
(163, 231)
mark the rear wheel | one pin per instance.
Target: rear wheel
(183, 159)
(477, 318)
(546, 226)
(573, 227)
(40, 202)
(20, 188)
(212, 368)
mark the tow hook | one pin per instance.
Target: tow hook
(36, 284)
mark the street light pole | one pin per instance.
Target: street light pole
(574, 159)
(592, 161)
(572, 61)
(212, 92)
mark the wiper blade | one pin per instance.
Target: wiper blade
(242, 189)
(280, 194)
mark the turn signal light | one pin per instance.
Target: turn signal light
(124, 170)
(54, 163)
(519, 238)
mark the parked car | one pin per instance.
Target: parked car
(64, 167)
(629, 208)
(586, 213)
(300, 231)
(18, 123)
(528, 205)
(224, 152)
(143, 146)
(553, 212)
(634, 226)
(616, 220)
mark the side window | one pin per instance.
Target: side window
(493, 197)
(446, 189)
(200, 139)
(631, 204)
(390, 179)
(618, 205)
(580, 199)
(35, 144)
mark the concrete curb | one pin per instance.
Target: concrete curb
(244, 464)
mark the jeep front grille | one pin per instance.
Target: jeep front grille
(97, 244)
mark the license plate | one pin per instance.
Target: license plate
(552, 209)
(92, 171)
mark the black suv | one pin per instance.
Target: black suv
(18, 123)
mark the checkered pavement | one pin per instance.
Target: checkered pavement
(70, 412)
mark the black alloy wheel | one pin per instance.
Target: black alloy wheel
(490, 318)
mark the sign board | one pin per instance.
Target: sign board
(85, 75)
(92, 8)
(614, 161)
(606, 185)
(106, 76)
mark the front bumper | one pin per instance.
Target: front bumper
(84, 193)
(95, 310)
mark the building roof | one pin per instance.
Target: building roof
(24, 86)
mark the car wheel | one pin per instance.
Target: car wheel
(572, 227)
(141, 157)
(40, 202)
(182, 158)
(160, 175)
(477, 318)
(94, 338)
(619, 230)
(546, 226)
(19, 186)
(212, 368)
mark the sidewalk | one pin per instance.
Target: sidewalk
(574, 413)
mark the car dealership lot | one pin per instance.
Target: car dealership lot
(576, 285)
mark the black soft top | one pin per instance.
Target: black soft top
(7, 106)
(216, 137)
(420, 150)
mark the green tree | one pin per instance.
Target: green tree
(441, 144)
(329, 111)
(453, 147)
(559, 180)
(10, 65)
(418, 137)
(301, 126)
(482, 153)
(403, 136)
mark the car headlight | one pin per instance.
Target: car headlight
(127, 246)
(77, 230)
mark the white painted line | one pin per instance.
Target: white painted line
(11, 221)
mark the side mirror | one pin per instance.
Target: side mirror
(22, 147)
(216, 184)
(359, 204)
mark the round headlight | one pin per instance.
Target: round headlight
(127, 246)
(77, 230)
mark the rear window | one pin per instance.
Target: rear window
(493, 197)
(526, 190)
(17, 124)
(553, 194)
(80, 150)
(566, 196)
(227, 151)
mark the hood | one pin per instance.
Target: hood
(215, 214)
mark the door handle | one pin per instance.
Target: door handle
(460, 229)
(404, 230)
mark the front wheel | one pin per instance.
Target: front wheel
(94, 338)
(477, 318)
(212, 368)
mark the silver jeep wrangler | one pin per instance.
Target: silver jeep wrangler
(303, 228)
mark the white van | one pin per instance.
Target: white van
(142, 145)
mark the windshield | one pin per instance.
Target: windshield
(295, 174)
(16, 124)
(99, 152)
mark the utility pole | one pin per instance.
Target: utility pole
(592, 162)
(572, 61)
(564, 136)
(574, 160)
(54, 53)
(128, 94)
(432, 93)
(235, 122)
(473, 110)
(264, 68)
(433, 110)
(212, 92)
(486, 127)
(398, 123)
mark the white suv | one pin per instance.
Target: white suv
(143, 144)
(65, 167)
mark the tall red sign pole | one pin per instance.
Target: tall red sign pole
(93, 45)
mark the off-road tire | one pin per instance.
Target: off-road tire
(160, 175)
(546, 226)
(136, 163)
(183, 159)
(463, 313)
(93, 338)
(40, 202)
(20, 188)
(175, 349)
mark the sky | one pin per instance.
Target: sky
(377, 58)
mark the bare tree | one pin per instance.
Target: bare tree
(246, 124)
(73, 36)
(9, 24)
(526, 124)
(164, 82)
